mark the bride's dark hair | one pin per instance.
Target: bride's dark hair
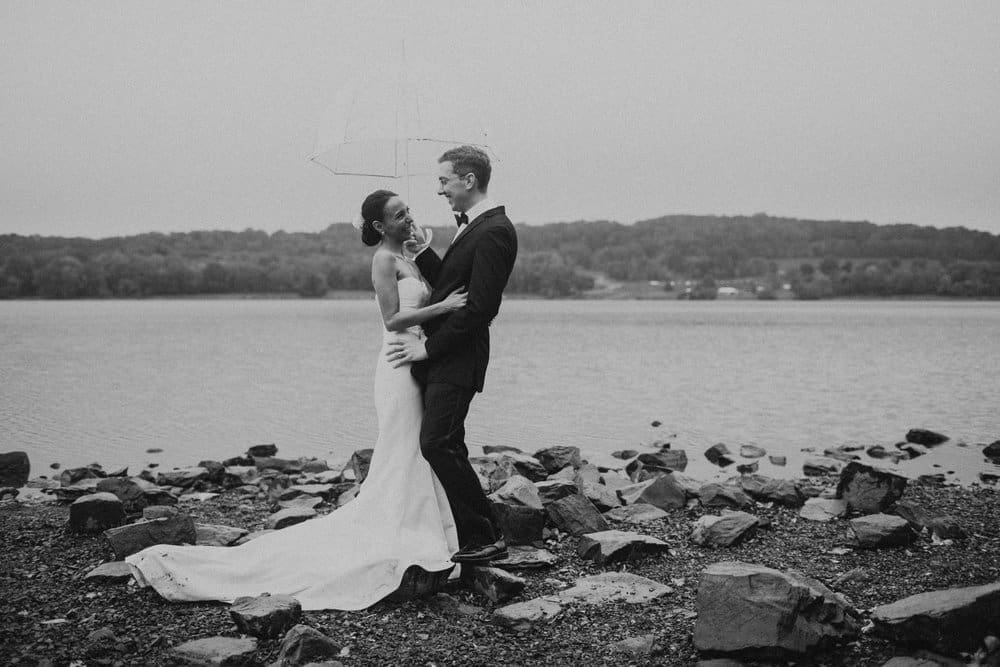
(371, 210)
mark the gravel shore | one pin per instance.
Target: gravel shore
(51, 615)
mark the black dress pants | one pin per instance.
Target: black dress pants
(442, 443)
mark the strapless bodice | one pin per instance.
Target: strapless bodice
(413, 293)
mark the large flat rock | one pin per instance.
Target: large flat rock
(952, 619)
(754, 610)
(612, 546)
(614, 587)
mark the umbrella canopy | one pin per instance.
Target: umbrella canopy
(384, 125)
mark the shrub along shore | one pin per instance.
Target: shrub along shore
(635, 565)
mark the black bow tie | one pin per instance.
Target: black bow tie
(461, 219)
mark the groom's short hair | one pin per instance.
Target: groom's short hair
(469, 159)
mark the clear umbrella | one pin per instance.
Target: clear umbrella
(387, 130)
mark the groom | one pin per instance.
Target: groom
(451, 361)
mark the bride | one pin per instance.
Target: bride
(356, 555)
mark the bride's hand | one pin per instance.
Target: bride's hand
(455, 300)
(418, 240)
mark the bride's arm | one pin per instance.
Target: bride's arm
(387, 294)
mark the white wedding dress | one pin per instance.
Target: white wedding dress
(356, 555)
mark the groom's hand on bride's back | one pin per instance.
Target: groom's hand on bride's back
(401, 353)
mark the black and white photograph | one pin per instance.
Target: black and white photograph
(496, 332)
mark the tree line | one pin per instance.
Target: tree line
(818, 259)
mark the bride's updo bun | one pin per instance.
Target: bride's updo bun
(371, 210)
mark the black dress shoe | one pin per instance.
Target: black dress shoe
(481, 553)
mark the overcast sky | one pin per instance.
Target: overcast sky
(120, 118)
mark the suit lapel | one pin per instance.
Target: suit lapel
(471, 226)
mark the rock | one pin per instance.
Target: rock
(586, 473)
(71, 476)
(754, 610)
(265, 616)
(600, 495)
(748, 468)
(287, 466)
(941, 526)
(518, 490)
(778, 460)
(992, 451)
(493, 583)
(725, 530)
(554, 459)
(523, 616)
(197, 496)
(216, 651)
(714, 494)
(182, 477)
(880, 530)
(609, 587)
(262, 450)
(613, 546)
(324, 491)
(213, 535)
(158, 496)
(113, 572)
(234, 476)
(614, 480)
(8, 493)
(84, 487)
(843, 453)
(289, 517)
(131, 491)
(567, 473)
(868, 489)
(924, 437)
(418, 582)
(309, 502)
(576, 515)
(641, 646)
(667, 460)
(360, 462)
(252, 536)
(953, 619)
(348, 496)
(912, 449)
(816, 466)
(719, 454)
(624, 454)
(520, 524)
(500, 449)
(302, 645)
(553, 489)
(641, 513)
(96, 512)
(525, 465)
(823, 509)
(768, 490)
(664, 492)
(629, 495)
(159, 511)
(752, 451)
(130, 539)
(15, 468)
(526, 558)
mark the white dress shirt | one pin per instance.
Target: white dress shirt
(474, 212)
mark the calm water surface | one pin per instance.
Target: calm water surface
(104, 381)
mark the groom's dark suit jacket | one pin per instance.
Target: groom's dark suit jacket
(480, 259)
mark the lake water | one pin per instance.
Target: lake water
(84, 381)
